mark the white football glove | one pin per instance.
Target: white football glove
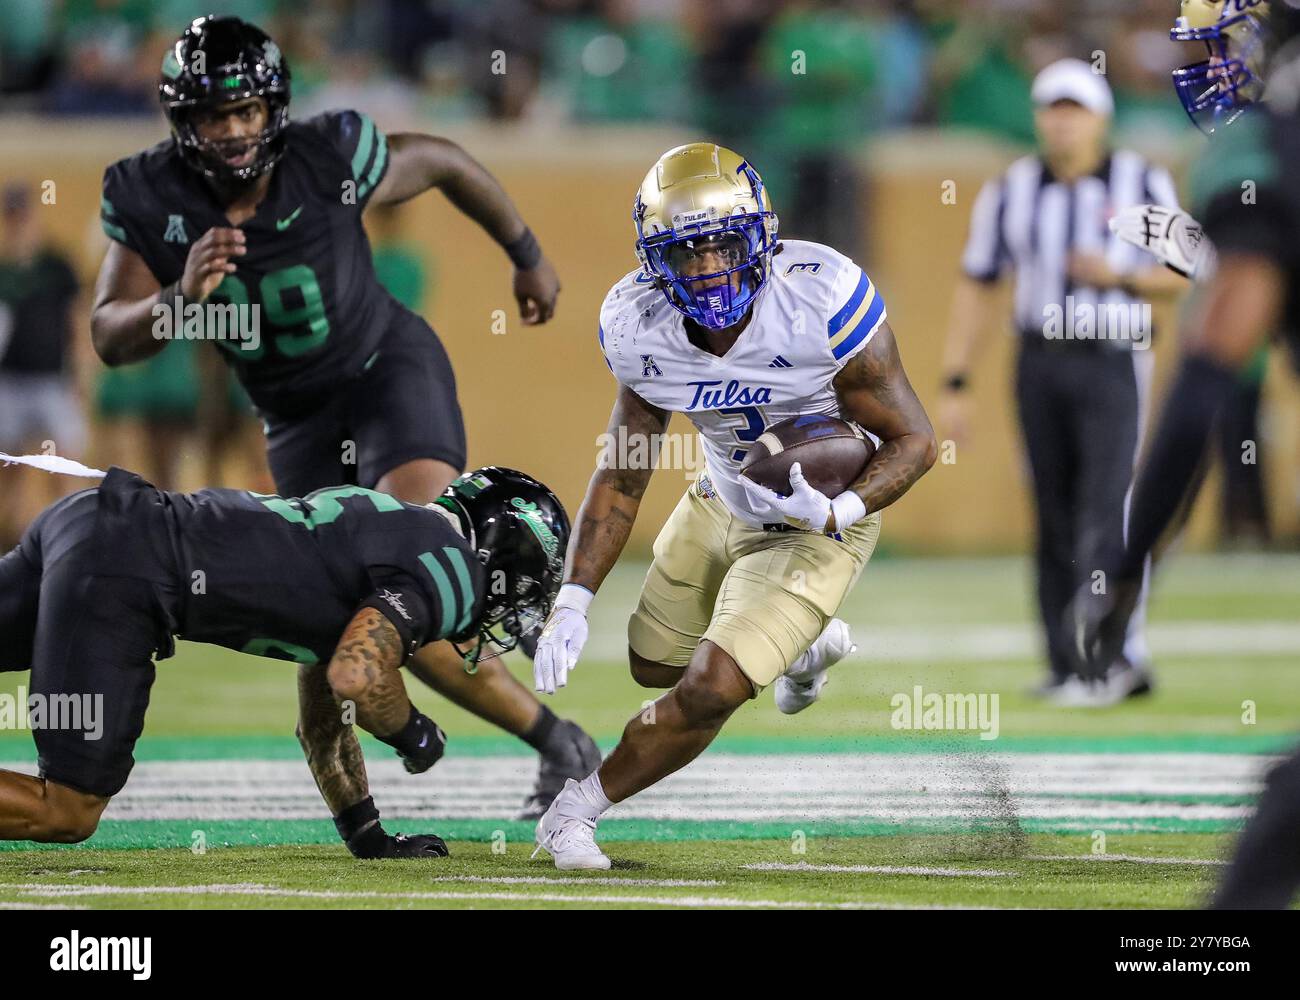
(1172, 237)
(562, 639)
(805, 508)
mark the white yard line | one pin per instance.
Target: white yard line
(729, 787)
(661, 883)
(804, 866)
(930, 643)
(39, 906)
(1133, 858)
(735, 787)
(55, 891)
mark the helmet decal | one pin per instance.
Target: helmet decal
(532, 517)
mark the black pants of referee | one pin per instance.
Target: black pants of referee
(1079, 405)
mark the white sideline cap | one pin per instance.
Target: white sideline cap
(1073, 80)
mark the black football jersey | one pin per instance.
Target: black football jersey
(1248, 200)
(308, 267)
(281, 577)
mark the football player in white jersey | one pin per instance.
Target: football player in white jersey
(739, 332)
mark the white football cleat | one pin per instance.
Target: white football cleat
(802, 684)
(568, 835)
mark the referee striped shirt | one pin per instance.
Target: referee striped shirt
(1032, 222)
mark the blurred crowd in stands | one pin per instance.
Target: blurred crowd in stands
(721, 64)
(796, 84)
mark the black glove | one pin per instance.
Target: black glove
(420, 743)
(427, 752)
(420, 845)
(359, 827)
(375, 843)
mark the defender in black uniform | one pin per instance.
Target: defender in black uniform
(347, 579)
(244, 208)
(1254, 292)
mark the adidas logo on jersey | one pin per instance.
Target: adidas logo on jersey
(779, 362)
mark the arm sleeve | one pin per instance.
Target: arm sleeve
(439, 590)
(986, 251)
(611, 325)
(857, 311)
(362, 145)
(402, 600)
(114, 214)
(600, 333)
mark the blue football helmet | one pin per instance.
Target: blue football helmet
(1216, 91)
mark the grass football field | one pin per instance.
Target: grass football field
(856, 803)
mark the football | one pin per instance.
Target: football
(831, 452)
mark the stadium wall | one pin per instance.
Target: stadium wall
(538, 397)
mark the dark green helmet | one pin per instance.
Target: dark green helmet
(216, 61)
(519, 531)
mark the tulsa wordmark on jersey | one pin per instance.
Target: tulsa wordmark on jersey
(818, 310)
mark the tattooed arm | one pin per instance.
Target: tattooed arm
(362, 678)
(613, 497)
(336, 761)
(603, 525)
(873, 391)
(364, 672)
(331, 747)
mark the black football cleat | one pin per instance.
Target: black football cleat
(570, 753)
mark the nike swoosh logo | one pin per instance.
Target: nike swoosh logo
(282, 224)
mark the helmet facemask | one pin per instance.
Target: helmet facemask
(743, 242)
(720, 298)
(509, 617)
(209, 156)
(1216, 91)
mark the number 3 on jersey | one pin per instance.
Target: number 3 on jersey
(291, 298)
(747, 432)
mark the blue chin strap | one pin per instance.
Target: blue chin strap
(1216, 93)
(715, 307)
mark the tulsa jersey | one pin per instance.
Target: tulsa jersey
(308, 267)
(817, 311)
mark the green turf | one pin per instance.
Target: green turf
(475, 875)
(207, 691)
(212, 704)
